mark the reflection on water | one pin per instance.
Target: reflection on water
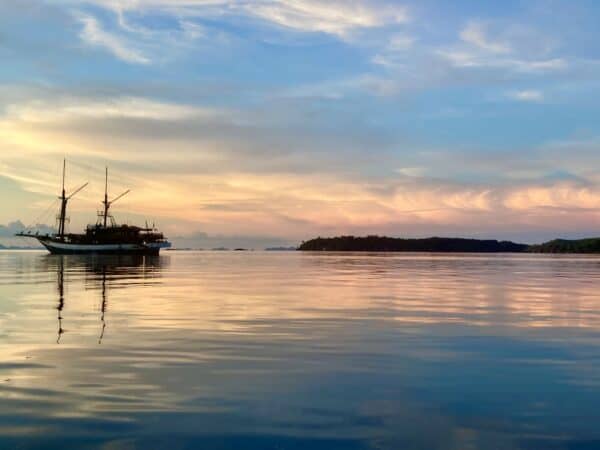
(96, 268)
(260, 350)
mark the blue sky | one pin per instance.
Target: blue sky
(290, 118)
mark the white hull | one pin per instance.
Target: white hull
(66, 247)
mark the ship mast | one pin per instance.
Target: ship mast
(62, 217)
(63, 205)
(61, 298)
(107, 204)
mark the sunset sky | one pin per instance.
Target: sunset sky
(273, 121)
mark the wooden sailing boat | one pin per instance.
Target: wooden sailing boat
(105, 237)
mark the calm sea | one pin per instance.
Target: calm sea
(285, 350)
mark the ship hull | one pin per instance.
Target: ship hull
(67, 248)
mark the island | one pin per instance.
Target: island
(590, 245)
(443, 244)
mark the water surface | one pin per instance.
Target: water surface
(285, 350)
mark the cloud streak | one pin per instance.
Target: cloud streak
(526, 95)
(94, 35)
(334, 17)
(475, 33)
(119, 107)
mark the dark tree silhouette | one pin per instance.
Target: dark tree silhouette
(388, 244)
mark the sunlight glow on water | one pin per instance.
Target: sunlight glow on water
(253, 350)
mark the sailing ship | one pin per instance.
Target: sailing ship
(105, 236)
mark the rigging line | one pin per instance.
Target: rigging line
(81, 165)
(90, 172)
(44, 213)
(98, 170)
(119, 177)
(45, 218)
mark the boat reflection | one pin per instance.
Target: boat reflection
(101, 273)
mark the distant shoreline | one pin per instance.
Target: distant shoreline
(425, 245)
(447, 245)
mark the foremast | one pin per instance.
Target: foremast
(62, 216)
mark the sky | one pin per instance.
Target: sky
(269, 122)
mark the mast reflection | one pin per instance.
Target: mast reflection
(103, 306)
(61, 298)
(101, 273)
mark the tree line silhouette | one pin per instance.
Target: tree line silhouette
(376, 243)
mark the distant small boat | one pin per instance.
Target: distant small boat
(105, 237)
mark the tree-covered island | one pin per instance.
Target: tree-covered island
(441, 244)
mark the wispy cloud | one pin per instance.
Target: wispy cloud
(106, 108)
(467, 59)
(487, 53)
(336, 17)
(509, 47)
(94, 35)
(526, 95)
(475, 33)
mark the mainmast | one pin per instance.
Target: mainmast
(107, 204)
